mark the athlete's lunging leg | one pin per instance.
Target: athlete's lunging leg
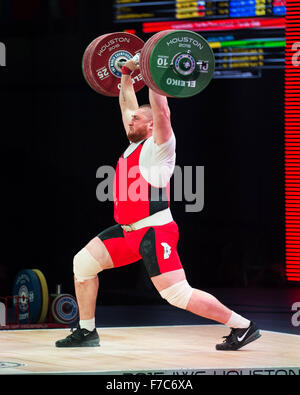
(87, 263)
(174, 287)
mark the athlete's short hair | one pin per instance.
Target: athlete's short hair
(145, 106)
(148, 109)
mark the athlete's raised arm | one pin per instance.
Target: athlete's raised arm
(162, 128)
(127, 98)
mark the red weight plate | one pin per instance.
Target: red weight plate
(145, 61)
(94, 81)
(152, 44)
(86, 66)
(100, 62)
(156, 38)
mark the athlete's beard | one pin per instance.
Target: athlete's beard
(135, 136)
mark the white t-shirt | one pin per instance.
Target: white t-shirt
(157, 162)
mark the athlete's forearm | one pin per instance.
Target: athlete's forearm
(158, 102)
(162, 129)
(127, 97)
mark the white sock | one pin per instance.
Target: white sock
(237, 321)
(87, 324)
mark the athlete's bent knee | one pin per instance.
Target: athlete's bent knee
(85, 266)
(178, 294)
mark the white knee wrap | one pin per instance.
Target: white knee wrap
(85, 266)
(178, 294)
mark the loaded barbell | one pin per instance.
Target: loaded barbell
(173, 63)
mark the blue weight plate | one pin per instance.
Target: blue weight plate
(64, 309)
(27, 285)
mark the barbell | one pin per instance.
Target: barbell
(173, 63)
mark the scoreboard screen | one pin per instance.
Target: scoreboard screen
(245, 56)
(143, 11)
(247, 36)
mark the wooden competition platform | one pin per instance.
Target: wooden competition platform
(172, 350)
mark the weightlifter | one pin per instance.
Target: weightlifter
(145, 227)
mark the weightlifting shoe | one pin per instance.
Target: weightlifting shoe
(239, 337)
(80, 338)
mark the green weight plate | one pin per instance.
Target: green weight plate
(181, 63)
(145, 61)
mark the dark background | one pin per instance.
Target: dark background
(56, 131)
